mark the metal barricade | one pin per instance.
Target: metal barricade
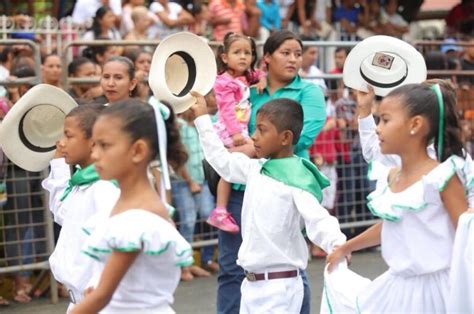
(26, 229)
(51, 33)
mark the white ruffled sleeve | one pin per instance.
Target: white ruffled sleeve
(55, 184)
(391, 207)
(138, 230)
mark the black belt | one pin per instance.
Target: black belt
(274, 275)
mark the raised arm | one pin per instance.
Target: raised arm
(55, 184)
(368, 137)
(232, 167)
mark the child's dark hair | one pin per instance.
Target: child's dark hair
(139, 122)
(86, 115)
(277, 39)
(284, 114)
(176, 154)
(92, 52)
(421, 99)
(229, 39)
(76, 63)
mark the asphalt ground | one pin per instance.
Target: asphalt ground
(199, 296)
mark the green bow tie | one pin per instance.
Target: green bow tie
(297, 172)
(85, 176)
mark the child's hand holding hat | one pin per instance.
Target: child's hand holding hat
(199, 108)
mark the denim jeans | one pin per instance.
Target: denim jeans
(188, 206)
(24, 210)
(231, 275)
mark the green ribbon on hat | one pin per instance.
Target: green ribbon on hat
(85, 176)
(439, 95)
(297, 172)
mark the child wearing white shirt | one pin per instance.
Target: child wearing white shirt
(282, 197)
(73, 200)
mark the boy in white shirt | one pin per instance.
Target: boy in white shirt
(73, 200)
(282, 197)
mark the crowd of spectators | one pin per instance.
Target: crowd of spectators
(337, 149)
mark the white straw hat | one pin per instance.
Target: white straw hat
(385, 63)
(30, 130)
(182, 62)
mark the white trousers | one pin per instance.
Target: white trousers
(272, 296)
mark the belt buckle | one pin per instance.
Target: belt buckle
(250, 276)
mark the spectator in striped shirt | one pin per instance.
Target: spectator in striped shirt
(226, 16)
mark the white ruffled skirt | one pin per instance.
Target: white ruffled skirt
(347, 292)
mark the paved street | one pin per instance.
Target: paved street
(198, 296)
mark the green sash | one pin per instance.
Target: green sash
(85, 176)
(297, 172)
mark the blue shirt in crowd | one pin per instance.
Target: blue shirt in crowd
(270, 14)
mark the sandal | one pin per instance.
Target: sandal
(4, 302)
(186, 274)
(22, 296)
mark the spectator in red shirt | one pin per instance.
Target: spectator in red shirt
(461, 18)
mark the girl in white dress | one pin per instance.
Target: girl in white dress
(141, 249)
(419, 204)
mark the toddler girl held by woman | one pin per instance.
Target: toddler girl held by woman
(236, 59)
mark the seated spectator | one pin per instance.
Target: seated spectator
(142, 23)
(467, 63)
(100, 54)
(460, 18)
(340, 56)
(371, 24)
(450, 49)
(85, 10)
(269, 18)
(251, 19)
(393, 23)
(226, 16)
(200, 12)
(286, 11)
(322, 20)
(172, 18)
(128, 23)
(348, 16)
(6, 62)
(51, 70)
(309, 69)
(85, 92)
(142, 62)
(103, 26)
(302, 15)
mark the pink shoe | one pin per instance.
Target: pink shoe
(221, 219)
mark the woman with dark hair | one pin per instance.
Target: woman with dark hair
(118, 79)
(103, 26)
(51, 70)
(84, 93)
(283, 52)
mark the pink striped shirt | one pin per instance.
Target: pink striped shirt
(223, 9)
